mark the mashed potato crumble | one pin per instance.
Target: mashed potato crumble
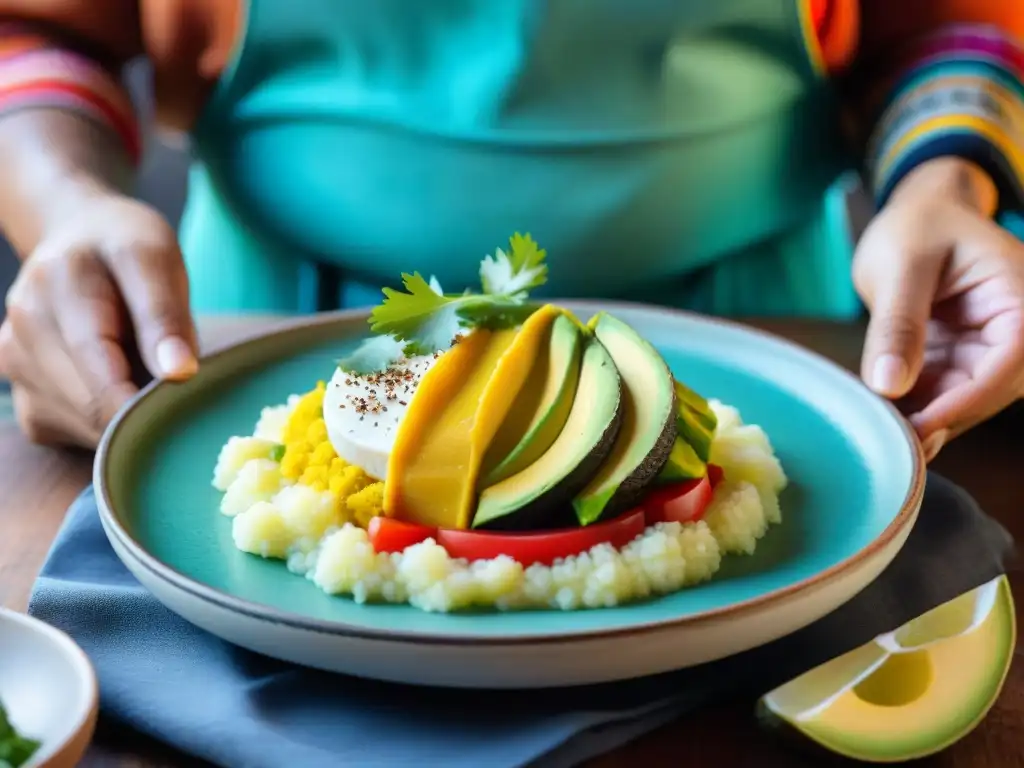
(292, 498)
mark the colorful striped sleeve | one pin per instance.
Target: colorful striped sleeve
(958, 91)
(36, 73)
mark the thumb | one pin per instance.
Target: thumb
(900, 306)
(154, 285)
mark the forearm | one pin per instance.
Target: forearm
(950, 178)
(938, 81)
(53, 160)
(67, 125)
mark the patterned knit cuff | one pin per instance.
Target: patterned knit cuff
(960, 93)
(35, 74)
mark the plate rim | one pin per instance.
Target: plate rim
(226, 601)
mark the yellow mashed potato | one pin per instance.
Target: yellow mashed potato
(293, 499)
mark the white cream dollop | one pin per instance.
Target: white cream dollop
(362, 413)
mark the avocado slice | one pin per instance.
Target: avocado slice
(697, 405)
(683, 464)
(695, 421)
(648, 424)
(539, 495)
(907, 694)
(542, 407)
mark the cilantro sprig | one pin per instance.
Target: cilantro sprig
(15, 750)
(421, 319)
(515, 273)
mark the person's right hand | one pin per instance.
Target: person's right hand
(105, 287)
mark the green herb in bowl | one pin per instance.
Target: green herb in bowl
(15, 750)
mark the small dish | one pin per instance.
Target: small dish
(49, 689)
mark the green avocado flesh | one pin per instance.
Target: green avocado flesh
(695, 421)
(697, 405)
(538, 496)
(648, 427)
(683, 464)
(541, 409)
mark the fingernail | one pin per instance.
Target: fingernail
(933, 444)
(890, 375)
(174, 358)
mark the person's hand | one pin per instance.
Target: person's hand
(945, 287)
(105, 287)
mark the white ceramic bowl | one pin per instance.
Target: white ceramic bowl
(48, 687)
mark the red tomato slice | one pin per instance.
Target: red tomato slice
(390, 535)
(543, 546)
(679, 503)
(715, 474)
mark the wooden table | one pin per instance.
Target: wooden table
(38, 485)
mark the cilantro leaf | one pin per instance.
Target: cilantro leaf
(15, 750)
(422, 319)
(526, 254)
(496, 273)
(427, 322)
(515, 272)
(375, 354)
(419, 316)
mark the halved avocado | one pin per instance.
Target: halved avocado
(538, 496)
(695, 421)
(909, 693)
(683, 464)
(648, 424)
(542, 407)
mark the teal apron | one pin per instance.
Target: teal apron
(679, 152)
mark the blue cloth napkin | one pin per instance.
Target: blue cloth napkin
(162, 676)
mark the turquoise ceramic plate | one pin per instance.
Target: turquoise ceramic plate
(856, 481)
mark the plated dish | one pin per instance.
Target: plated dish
(854, 478)
(482, 450)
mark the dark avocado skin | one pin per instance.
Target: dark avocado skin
(630, 489)
(553, 510)
(633, 488)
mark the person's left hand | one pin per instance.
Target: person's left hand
(945, 288)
